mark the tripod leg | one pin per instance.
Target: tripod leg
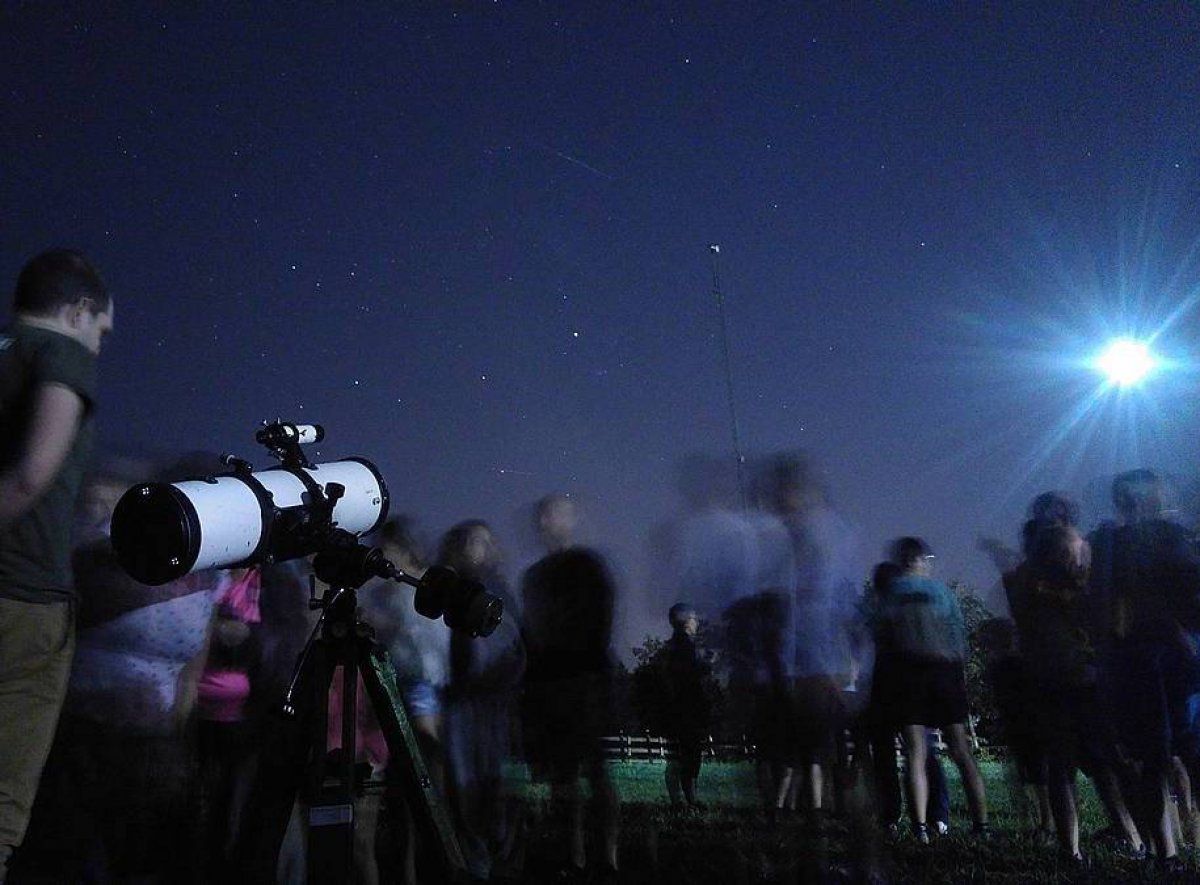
(433, 820)
(287, 749)
(332, 787)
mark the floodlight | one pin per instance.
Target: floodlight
(1126, 362)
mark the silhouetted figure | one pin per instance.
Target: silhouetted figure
(884, 731)
(686, 714)
(568, 598)
(118, 799)
(420, 652)
(1047, 596)
(1005, 674)
(740, 566)
(1146, 580)
(485, 674)
(924, 638)
(825, 596)
(227, 738)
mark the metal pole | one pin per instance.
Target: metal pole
(715, 251)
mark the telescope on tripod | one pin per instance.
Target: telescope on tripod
(164, 531)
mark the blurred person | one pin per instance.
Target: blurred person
(418, 646)
(419, 649)
(1047, 595)
(760, 645)
(738, 564)
(923, 632)
(119, 800)
(715, 546)
(883, 731)
(1145, 579)
(61, 312)
(1007, 678)
(826, 594)
(485, 673)
(226, 733)
(568, 599)
(284, 626)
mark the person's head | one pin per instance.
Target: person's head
(1053, 550)
(60, 290)
(882, 576)
(912, 556)
(1054, 507)
(684, 619)
(470, 549)
(1138, 495)
(788, 484)
(399, 544)
(706, 482)
(196, 464)
(555, 518)
(102, 488)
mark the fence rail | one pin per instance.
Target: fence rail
(656, 748)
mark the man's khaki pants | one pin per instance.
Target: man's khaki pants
(36, 645)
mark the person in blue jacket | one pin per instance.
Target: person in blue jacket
(923, 647)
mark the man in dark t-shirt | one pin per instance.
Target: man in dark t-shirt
(61, 312)
(568, 599)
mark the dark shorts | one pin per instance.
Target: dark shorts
(919, 691)
(818, 720)
(563, 721)
(1137, 689)
(1072, 726)
(687, 751)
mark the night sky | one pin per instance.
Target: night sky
(472, 241)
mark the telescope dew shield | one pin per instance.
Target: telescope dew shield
(161, 531)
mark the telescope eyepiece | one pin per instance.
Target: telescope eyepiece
(281, 433)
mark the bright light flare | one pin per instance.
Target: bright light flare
(1126, 362)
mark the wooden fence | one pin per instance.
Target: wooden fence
(647, 747)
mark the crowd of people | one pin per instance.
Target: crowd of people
(169, 695)
(1096, 670)
(1105, 674)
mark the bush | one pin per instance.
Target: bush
(651, 692)
(979, 692)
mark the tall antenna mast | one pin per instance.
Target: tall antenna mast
(740, 458)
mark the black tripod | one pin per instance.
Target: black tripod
(296, 758)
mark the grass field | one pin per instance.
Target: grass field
(731, 841)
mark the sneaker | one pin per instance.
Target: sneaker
(1133, 852)
(921, 831)
(941, 827)
(1173, 866)
(1078, 860)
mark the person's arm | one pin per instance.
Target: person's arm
(57, 411)
(187, 690)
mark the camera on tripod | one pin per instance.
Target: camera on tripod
(164, 531)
